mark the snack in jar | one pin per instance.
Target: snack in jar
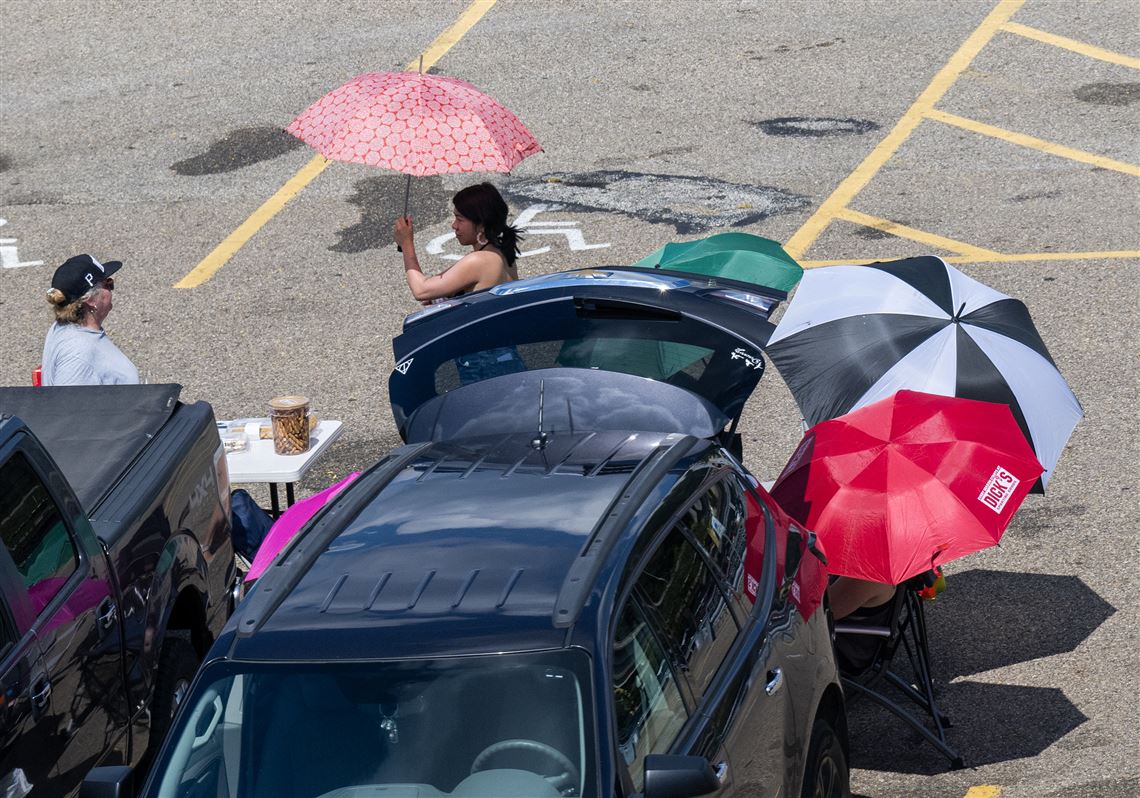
(289, 418)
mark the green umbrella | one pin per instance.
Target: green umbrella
(733, 256)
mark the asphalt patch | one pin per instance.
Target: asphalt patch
(5, 162)
(1044, 519)
(690, 204)
(1106, 788)
(873, 233)
(243, 147)
(815, 126)
(381, 200)
(1108, 93)
(1051, 194)
(16, 198)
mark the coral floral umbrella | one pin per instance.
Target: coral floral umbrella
(416, 124)
(908, 483)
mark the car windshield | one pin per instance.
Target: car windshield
(504, 725)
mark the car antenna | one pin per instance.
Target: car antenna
(540, 439)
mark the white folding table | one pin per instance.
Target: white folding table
(259, 463)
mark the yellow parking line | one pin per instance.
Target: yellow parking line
(1017, 257)
(1071, 44)
(1034, 143)
(983, 791)
(905, 231)
(448, 39)
(246, 230)
(857, 180)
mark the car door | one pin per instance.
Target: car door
(73, 617)
(751, 707)
(670, 335)
(26, 725)
(688, 637)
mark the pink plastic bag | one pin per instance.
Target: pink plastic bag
(290, 523)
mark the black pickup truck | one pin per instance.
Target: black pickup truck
(117, 572)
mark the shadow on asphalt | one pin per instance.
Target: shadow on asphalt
(991, 619)
(992, 723)
(986, 620)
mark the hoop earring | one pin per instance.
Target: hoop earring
(481, 239)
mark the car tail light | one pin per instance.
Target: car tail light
(222, 477)
(746, 299)
(431, 309)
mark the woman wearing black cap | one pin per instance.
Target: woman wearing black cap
(77, 350)
(480, 223)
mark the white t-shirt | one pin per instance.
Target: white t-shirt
(75, 355)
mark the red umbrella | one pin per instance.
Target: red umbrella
(908, 483)
(416, 124)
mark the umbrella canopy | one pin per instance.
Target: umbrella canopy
(734, 256)
(416, 124)
(855, 334)
(908, 483)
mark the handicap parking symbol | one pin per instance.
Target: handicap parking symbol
(529, 226)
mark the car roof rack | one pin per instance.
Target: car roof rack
(280, 580)
(579, 580)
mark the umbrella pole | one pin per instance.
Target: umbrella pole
(407, 195)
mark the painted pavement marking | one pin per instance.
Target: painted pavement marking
(1034, 143)
(10, 256)
(905, 231)
(855, 182)
(983, 791)
(526, 224)
(1071, 44)
(836, 206)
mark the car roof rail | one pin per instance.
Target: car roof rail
(280, 580)
(579, 581)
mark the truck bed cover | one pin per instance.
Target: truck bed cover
(93, 432)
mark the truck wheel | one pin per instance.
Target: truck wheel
(826, 774)
(176, 667)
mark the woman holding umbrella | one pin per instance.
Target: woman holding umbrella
(480, 223)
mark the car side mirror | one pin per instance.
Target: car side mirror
(110, 781)
(671, 776)
(793, 555)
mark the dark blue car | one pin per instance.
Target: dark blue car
(565, 583)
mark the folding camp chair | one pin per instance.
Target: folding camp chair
(904, 627)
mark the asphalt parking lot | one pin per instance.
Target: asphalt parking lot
(1001, 136)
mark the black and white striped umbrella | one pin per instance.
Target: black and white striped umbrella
(855, 334)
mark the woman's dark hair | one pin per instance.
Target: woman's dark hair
(483, 204)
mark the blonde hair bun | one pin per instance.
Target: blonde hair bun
(56, 297)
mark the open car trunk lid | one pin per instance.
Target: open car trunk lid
(696, 340)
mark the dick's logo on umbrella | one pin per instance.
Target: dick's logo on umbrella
(998, 489)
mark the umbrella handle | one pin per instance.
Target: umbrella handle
(408, 184)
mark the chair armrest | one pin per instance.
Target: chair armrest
(856, 629)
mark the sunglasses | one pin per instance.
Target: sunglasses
(109, 283)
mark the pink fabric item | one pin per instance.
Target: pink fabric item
(290, 523)
(415, 124)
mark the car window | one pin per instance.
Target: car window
(720, 524)
(494, 725)
(648, 704)
(758, 526)
(34, 532)
(8, 636)
(686, 606)
(677, 363)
